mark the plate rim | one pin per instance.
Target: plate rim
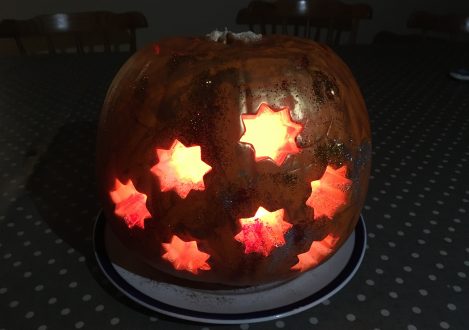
(332, 287)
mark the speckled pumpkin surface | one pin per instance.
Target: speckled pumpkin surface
(235, 163)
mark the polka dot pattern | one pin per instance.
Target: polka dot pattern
(415, 272)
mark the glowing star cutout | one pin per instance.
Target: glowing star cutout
(130, 204)
(317, 252)
(181, 169)
(185, 255)
(329, 193)
(271, 133)
(264, 231)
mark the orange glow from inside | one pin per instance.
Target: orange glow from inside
(156, 49)
(185, 255)
(130, 204)
(180, 168)
(264, 231)
(271, 133)
(317, 252)
(329, 193)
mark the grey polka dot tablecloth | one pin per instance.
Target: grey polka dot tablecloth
(416, 267)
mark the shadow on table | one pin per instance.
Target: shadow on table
(63, 188)
(62, 185)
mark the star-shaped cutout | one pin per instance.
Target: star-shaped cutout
(271, 133)
(130, 204)
(329, 193)
(263, 232)
(317, 252)
(185, 255)
(180, 168)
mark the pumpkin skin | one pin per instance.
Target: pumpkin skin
(198, 92)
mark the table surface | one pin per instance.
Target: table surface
(416, 267)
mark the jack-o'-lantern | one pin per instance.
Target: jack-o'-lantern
(238, 162)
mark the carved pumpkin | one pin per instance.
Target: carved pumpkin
(234, 163)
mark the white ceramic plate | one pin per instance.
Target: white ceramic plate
(247, 305)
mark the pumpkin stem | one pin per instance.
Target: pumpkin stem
(227, 37)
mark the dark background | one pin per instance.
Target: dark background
(191, 17)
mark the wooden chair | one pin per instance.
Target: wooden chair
(452, 25)
(11, 30)
(7, 41)
(259, 16)
(307, 18)
(85, 32)
(431, 28)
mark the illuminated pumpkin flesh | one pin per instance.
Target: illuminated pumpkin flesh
(263, 232)
(185, 255)
(271, 133)
(174, 172)
(130, 205)
(235, 163)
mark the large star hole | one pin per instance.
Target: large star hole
(130, 205)
(181, 169)
(263, 232)
(271, 133)
(316, 253)
(329, 193)
(185, 255)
